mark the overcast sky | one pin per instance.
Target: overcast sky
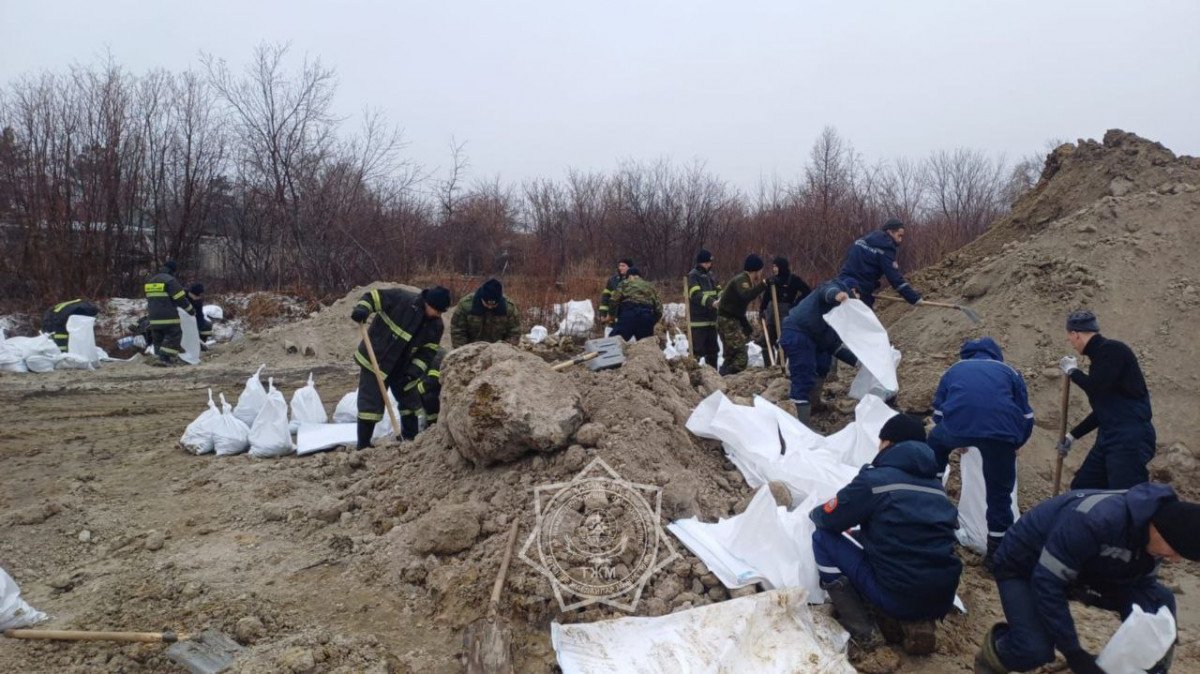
(534, 87)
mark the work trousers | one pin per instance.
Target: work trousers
(1118, 459)
(808, 364)
(166, 339)
(634, 321)
(706, 345)
(734, 340)
(836, 556)
(999, 472)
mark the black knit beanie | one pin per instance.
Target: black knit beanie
(437, 297)
(753, 262)
(703, 256)
(901, 428)
(892, 224)
(1178, 522)
(1082, 321)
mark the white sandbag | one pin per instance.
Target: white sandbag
(674, 313)
(11, 357)
(862, 333)
(190, 343)
(1139, 643)
(312, 438)
(230, 435)
(347, 412)
(681, 344)
(81, 338)
(269, 436)
(307, 407)
(41, 353)
(972, 502)
(865, 383)
(754, 355)
(71, 361)
(537, 334)
(578, 317)
(766, 633)
(253, 397)
(214, 312)
(14, 612)
(198, 436)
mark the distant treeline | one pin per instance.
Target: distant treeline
(250, 180)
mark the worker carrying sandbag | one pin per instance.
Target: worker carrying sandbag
(1101, 548)
(422, 396)
(485, 315)
(164, 295)
(906, 567)
(874, 255)
(811, 344)
(405, 337)
(637, 306)
(54, 321)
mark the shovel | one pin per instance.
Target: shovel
(1062, 432)
(967, 311)
(488, 642)
(600, 354)
(383, 392)
(208, 652)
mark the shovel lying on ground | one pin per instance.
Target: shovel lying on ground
(599, 354)
(208, 652)
(488, 642)
(967, 311)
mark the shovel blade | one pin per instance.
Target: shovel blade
(209, 652)
(970, 314)
(611, 350)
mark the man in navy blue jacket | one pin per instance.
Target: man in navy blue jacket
(811, 344)
(874, 255)
(1100, 547)
(982, 402)
(1120, 404)
(906, 565)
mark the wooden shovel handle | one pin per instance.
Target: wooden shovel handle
(80, 635)
(383, 391)
(498, 586)
(575, 361)
(924, 302)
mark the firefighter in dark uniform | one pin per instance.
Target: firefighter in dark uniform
(405, 336)
(196, 298)
(422, 396)
(54, 322)
(732, 325)
(606, 308)
(164, 295)
(703, 291)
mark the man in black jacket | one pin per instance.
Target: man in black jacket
(607, 311)
(788, 287)
(196, 298)
(405, 337)
(1120, 404)
(164, 295)
(54, 322)
(703, 291)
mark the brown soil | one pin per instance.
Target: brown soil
(376, 561)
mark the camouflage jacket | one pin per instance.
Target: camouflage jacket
(636, 291)
(483, 325)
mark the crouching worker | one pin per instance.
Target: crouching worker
(405, 337)
(638, 307)
(902, 562)
(422, 396)
(54, 322)
(1099, 547)
(811, 344)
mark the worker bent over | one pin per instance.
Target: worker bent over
(422, 397)
(703, 291)
(637, 306)
(873, 256)
(902, 561)
(981, 402)
(1099, 547)
(485, 315)
(163, 295)
(1120, 404)
(405, 337)
(811, 344)
(732, 326)
(54, 322)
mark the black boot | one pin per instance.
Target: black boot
(803, 412)
(920, 636)
(852, 613)
(987, 661)
(365, 430)
(408, 426)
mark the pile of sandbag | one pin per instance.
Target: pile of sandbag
(259, 423)
(14, 612)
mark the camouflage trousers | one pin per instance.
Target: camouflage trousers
(733, 343)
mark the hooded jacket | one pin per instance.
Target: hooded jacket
(404, 339)
(982, 397)
(54, 322)
(873, 256)
(703, 291)
(907, 527)
(1086, 537)
(788, 287)
(809, 315)
(473, 322)
(163, 294)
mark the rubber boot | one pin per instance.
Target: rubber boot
(408, 426)
(365, 430)
(803, 412)
(853, 614)
(987, 661)
(814, 395)
(920, 637)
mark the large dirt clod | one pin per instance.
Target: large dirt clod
(500, 404)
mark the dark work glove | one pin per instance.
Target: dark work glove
(1082, 662)
(359, 315)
